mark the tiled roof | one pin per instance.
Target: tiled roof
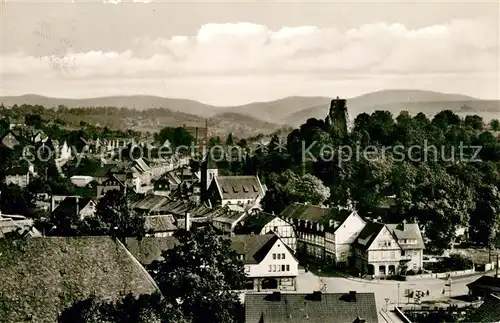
(488, 312)
(159, 223)
(300, 211)
(299, 308)
(239, 187)
(69, 204)
(254, 247)
(150, 203)
(43, 276)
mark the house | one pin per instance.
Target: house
(227, 221)
(238, 190)
(101, 174)
(159, 225)
(114, 182)
(317, 307)
(269, 263)
(49, 274)
(19, 175)
(81, 180)
(9, 140)
(343, 228)
(382, 249)
(484, 286)
(19, 223)
(309, 222)
(75, 205)
(488, 312)
(167, 183)
(264, 223)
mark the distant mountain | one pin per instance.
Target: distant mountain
(274, 111)
(240, 125)
(395, 101)
(138, 102)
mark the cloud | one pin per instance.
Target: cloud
(461, 46)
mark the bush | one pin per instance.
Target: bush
(453, 263)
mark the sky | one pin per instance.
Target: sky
(236, 52)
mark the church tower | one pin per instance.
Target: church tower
(338, 118)
(209, 171)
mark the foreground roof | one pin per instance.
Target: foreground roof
(299, 308)
(489, 311)
(486, 283)
(40, 277)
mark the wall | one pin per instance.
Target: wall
(262, 269)
(284, 230)
(457, 273)
(346, 234)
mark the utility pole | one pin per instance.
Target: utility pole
(496, 266)
(398, 294)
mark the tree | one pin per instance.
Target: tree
(143, 309)
(202, 273)
(114, 216)
(289, 187)
(229, 140)
(485, 218)
(474, 122)
(446, 118)
(16, 200)
(495, 125)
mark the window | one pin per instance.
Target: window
(279, 256)
(415, 253)
(274, 256)
(414, 266)
(270, 268)
(393, 254)
(275, 229)
(287, 267)
(247, 269)
(274, 267)
(282, 256)
(283, 267)
(278, 269)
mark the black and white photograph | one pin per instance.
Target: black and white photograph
(249, 161)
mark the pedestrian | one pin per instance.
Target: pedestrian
(428, 292)
(443, 291)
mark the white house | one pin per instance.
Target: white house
(382, 249)
(236, 190)
(344, 228)
(75, 205)
(269, 263)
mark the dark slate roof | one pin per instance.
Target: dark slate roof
(487, 283)
(294, 307)
(255, 223)
(104, 170)
(407, 231)
(40, 277)
(159, 223)
(19, 170)
(150, 203)
(239, 187)
(254, 247)
(369, 233)
(300, 211)
(489, 311)
(69, 204)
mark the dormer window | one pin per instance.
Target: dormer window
(224, 190)
(245, 189)
(255, 188)
(235, 190)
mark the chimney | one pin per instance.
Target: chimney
(77, 202)
(52, 203)
(352, 295)
(276, 296)
(317, 296)
(187, 221)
